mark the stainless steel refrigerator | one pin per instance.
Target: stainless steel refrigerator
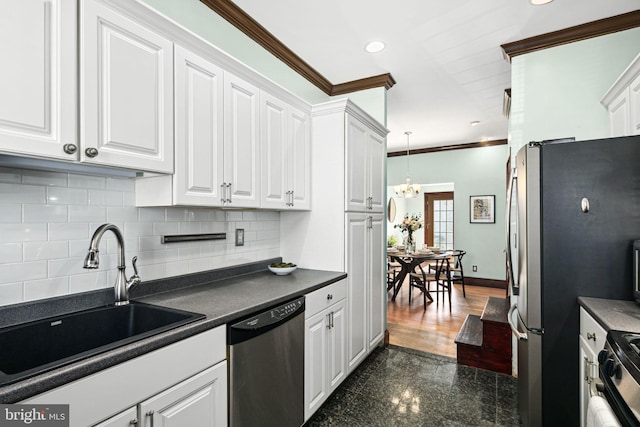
(578, 211)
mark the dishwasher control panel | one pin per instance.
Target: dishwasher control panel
(272, 316)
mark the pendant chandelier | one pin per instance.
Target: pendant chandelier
(407, 190)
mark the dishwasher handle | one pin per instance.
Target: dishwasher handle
(265, 321)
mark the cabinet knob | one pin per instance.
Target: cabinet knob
(133, 422)
(329, 297)
(591, 336)
(70, 148)
(91, 152)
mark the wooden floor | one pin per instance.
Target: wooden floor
(435, 329)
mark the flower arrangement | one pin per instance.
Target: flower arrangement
(409, 224)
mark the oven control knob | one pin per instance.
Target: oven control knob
(611, 368)
(603, 356)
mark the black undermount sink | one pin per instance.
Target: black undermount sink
(35, 347)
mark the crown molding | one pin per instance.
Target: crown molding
(585, 31)
(252, 29)
(449, 148)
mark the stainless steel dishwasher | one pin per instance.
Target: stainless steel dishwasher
(266, 368)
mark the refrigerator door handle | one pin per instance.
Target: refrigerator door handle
(514, 178)
(522, 336)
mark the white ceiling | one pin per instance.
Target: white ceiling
(445, 56)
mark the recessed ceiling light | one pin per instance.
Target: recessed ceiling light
(474, 123)
(540, 2)
(375, 46)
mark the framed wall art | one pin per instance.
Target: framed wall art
(482, 209)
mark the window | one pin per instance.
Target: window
(438, 209)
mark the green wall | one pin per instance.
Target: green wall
(472, 171)
(556, 92)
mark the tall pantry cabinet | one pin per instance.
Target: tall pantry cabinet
(344, 231)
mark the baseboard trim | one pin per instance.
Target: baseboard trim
(487, 283)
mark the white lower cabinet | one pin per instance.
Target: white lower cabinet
(325, 355)
(197, 401)
(592, 339)
(182, 384)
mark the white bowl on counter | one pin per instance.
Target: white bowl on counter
(282, 271)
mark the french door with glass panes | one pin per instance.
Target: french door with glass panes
(438, 208)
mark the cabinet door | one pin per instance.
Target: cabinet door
(376, 283)
(126, 92)
(198, 401)
(376, 175)
(300, 159)
(336, 355)
(634, 106)
(619, 115)
(315, 363)
(126, 418)
(241, 151)
(356, 166)
(587, 360)
(275, 150)
(38, 77)
(357, 331)
(199, 130)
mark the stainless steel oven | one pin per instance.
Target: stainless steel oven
(619, 372)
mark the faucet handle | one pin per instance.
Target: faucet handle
(134, 261)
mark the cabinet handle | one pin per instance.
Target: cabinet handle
(91, 152)
(591, 336)
(229, 193)
(328, 320)
(223, 193)
(70, 148)
(133, 422)
(150, 415)
(331, 319)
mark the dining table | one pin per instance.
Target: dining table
(409, 261)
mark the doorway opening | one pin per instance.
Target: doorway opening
(438, 219)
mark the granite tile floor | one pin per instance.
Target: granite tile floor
(397, 386)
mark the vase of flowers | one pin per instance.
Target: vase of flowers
(409, 224)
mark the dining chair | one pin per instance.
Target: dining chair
(457, 273)
(431, 273)
(393, 268)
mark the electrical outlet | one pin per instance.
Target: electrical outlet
(240, 237)
(474, 268)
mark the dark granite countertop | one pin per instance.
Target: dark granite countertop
(618, 315)
(222, 300)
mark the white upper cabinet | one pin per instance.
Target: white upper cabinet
(241, 148)
(622, 101)
(38, 108)
(365, 154)
(286, 156)
(198, 177)
(126, 92)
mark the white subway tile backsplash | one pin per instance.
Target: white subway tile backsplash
(22, 232)
(10, 175)
(45, 250)
(123, 214)
(47, 220)
(10, 213)
(10, 252)
(45, 178)
(11, 293)
(17, 193)
(66, 196)
(45, 213)
(18, 272)
(87, 214)
(121, 184)
(88, 281)
(86, 181)
(69, 231)
(46, 288)
(151, 214)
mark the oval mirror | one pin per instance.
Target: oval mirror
(391, 210)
